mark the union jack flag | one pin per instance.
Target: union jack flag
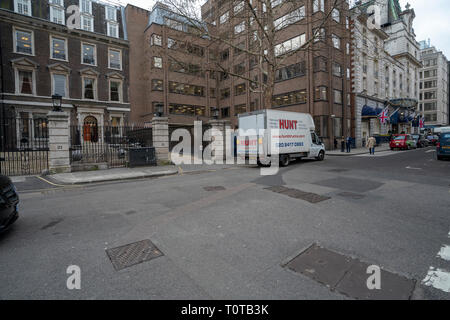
(384, 115)
(421, 122)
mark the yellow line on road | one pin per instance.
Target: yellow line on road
(49, 182)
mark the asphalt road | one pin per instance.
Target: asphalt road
(233, 239)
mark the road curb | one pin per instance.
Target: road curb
(100, 179)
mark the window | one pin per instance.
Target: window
(241, 108)
(337, 96)
(23, 7)
(156, 40)
(187, 68)
(25, 81)
(290, 18)
(40, 125)
(320, 64)
(59, 84)
(319, 34)
(337, 70)
(290, 72)
(115, 90)
(238, 7)
(347, 23)
(239, 68)
(187, 89)
(224, 93)
(347, 48)
(112, 29)
(239, 27)
(212, 92)
(187, 110)
(336, 41)
(225, 112)
(239, 89)
(318, 5)
(89, 89)
(224, 18)
(58, 48)
(157, 62)
(336, 15)
(87, 23)
(115, 59)
(224, 55)
(321, 94)
(173, 24)
(24, 42)
(290, 45)
(89, 53)
(115, 124)
(86, 6)
(289, 98)
(157, 85)
(275, 3)
(110, 13)
(57, 14)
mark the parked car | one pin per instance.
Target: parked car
(9, 202)
(421, 142)
(432, 140)
(443, 146)
(402, 141)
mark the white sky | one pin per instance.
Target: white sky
(432, 20)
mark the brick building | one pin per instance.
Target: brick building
(41, 56)
(181, 71)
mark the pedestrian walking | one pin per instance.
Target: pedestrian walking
(335, 143)
(343, 144)
(349, 144)
(371, 144)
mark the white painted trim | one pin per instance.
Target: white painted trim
(95, 54)
(118, 109)
(17, 80)
(66, 47)
(57, 7)
(34, 103)
(95, 88)
(15, 29)
(16, 5)
(72, 99)
(109, 60)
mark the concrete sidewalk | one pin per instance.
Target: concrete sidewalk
(357, 151)
(112, 174)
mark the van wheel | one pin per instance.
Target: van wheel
(263, 165)
(321, 156)
(284, 160)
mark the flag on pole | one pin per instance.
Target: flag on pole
(384, 115)
(421, 122)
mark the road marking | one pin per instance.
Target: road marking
(412, 168)
(430, 151)
(437, 278)
(444, 253)
(50, 183)
(18, 179)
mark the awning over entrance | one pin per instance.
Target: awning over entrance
(369, 111)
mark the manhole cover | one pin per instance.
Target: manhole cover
(133, 253)
(355, 196)
(298, 194)
(350, 184)
(338, 170)
(349, 276)
(214, 188)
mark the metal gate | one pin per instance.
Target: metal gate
(93, 144)
(190, 129)
(23, 146)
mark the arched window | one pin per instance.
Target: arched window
(90, 129)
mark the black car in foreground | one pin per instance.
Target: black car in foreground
(9, 201)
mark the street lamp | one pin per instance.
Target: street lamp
(215, 113)
(159, 110)
(57, 101)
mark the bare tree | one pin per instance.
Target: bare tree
(257, 29)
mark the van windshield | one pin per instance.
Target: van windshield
(399, 138)
(445, 136)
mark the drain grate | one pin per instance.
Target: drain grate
(298, 194)
(132, 254)
(214, 188)
(354, 196)
(348, 275)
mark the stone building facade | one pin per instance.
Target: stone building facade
(86, 65)
(385, 68)
(433, 97)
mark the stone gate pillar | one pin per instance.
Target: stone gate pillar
(58, 142)
(160, 134)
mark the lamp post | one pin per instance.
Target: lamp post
(57, 101)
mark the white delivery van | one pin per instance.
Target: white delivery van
(267, 133)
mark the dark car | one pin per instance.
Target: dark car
(9, 201)
(421, 142)
(443, 146)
